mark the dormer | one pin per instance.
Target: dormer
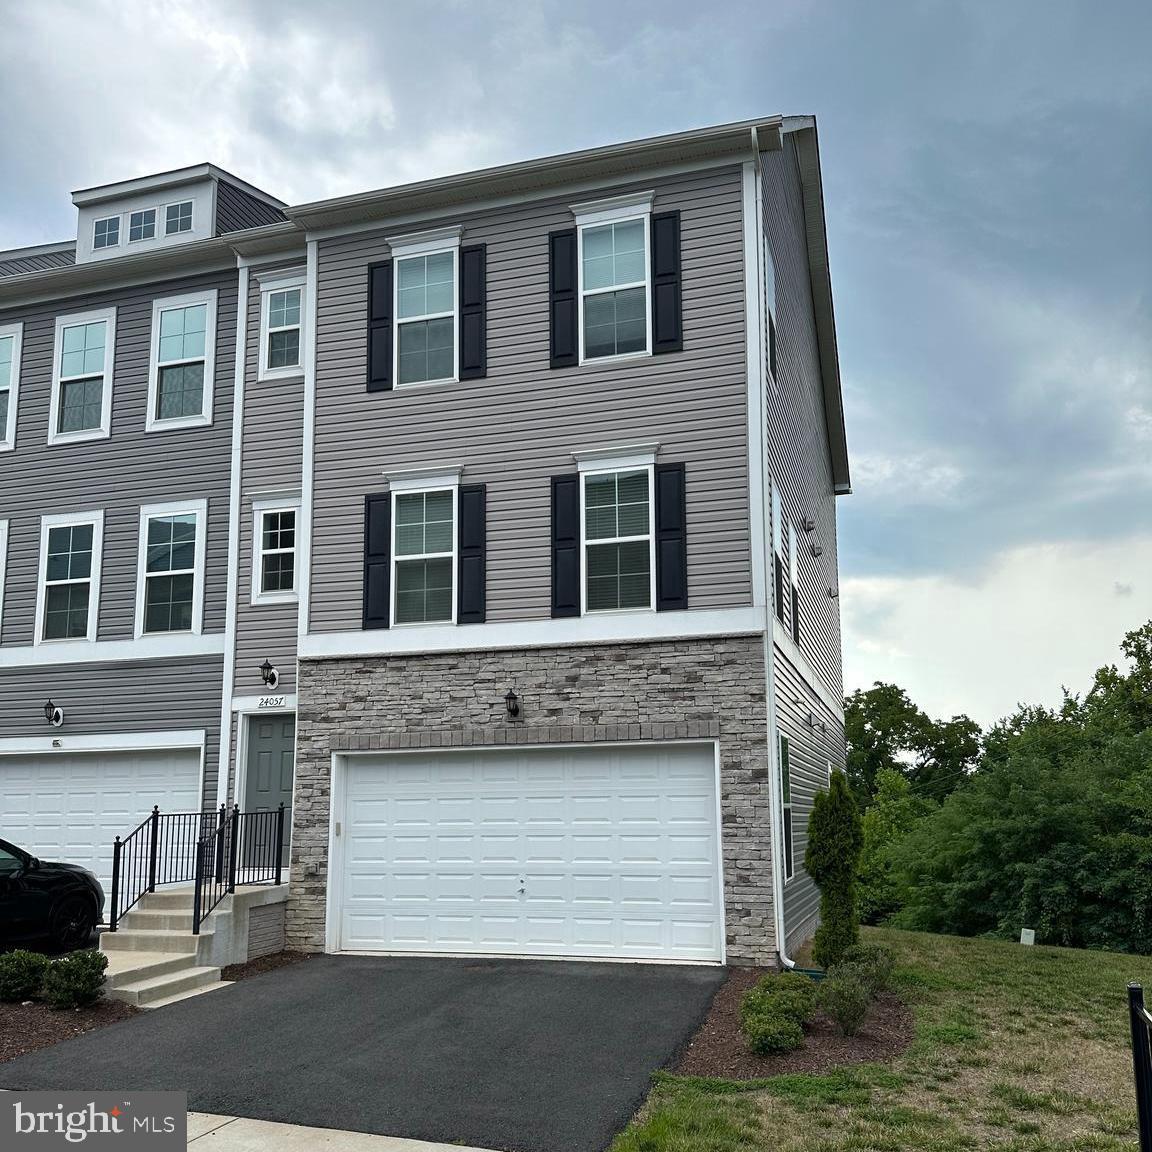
(177, 207)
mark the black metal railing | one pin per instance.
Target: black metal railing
(1141, 1020)
(215, 851)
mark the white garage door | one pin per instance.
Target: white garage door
(575, 851)
(72, 807)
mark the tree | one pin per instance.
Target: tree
(831, 859)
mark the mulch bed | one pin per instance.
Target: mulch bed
(262, 964)
(719, 1049)
(26, 1027)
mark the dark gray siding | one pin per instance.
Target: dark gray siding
(798, 457)
(147, 696)
(516, 428)
(121, 473)
(237, 209)
(810, 752)
(11, 265)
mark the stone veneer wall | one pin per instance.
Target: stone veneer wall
(672, 690)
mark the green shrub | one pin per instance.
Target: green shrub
(877, 963)
(831, 859)
(21, 975)
(76, 979)
(769, 1033)
(846, 996)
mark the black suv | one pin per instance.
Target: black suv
(40, 900)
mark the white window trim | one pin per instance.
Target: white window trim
(259, 509)
(119, 231)
(787, 842)
(155, 225)
(3, 568)
(426, 244)
(164, 213)
(605, 466)
(199, 509)
(281, 283)
(152, 422)
(65, 520)
(108, 316)
(411, 486)
(595, 214)
(8, 434)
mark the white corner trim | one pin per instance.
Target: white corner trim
(808, 674)
(256, 704)
(152, 421)
(162, 646)
(599, 628)
(3, 565)
(617, 457)
(423, 243)
(199, 509)
(613, 208)
(63, 520)
(308, 447)
(756, 371)
(103, 742)
(8, 433)
(108, 317)
(422, 479)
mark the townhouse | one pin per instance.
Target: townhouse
(525, 502)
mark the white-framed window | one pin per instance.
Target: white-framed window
(106, 232)
(11, 339)
(142, 225)
(281, 326)
(614, 277)
(83, 360)
(618, 544)
(3, 568)
(178, 217)
(183, 360)
(786, 806)
(424, 517)
(68, 589)
(170, 568)
(425, 274)
(275, 545)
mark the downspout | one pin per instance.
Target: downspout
(777, 819)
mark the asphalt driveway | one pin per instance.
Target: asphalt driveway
(528, 1056)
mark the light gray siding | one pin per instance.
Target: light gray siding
(798, 457)
(518, 427)
(145, 696)
(811, 750)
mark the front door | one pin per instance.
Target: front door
(268, 780)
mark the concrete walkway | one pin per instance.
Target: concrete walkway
(208, 1133)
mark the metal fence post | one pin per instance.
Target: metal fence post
(233, 848)
(197, 888)
(1141, 1063)
(152, 848)
(279, 842)
(220, 844)
(115, 885)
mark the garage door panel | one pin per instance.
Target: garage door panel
(616, 850)
(72, 807)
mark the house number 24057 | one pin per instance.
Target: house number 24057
(271, 702)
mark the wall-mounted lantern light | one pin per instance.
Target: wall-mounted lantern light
(817, 549)
(809, 524)
(269, 674)
(833, 592)
(512, 704)
(53, 714)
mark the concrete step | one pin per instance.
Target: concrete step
(163, 987)
(159, 941)
(129, 967)
(148, 919)
(187, 995)
(170, 899)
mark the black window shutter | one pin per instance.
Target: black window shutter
(795, 614)
(566, 545)
(667, 322)
(380, 327)
(671, 538)
(471, 543)
(772, 346)
(473, 303)
(377, 558)
(778, 573)
(565, 344)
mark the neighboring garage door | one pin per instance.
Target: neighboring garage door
(72, 807)
(574, 851)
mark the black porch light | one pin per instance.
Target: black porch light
(53, 714)
(269, 674)
(512, 704)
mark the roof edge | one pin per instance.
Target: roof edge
(157, 181)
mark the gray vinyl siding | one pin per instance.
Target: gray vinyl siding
(810, 752)
(237, 209)
(129, 469)
(517, 427)
(272, 460)
(144, 696)
(798, 458)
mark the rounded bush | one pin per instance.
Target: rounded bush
(876, 961)
(75, 980)
(769, 1033)
(21, 975)
(785, 994)
(846, 996)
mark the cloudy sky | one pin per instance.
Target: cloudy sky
(988, 177)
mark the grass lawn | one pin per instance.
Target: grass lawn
(1021, 1048)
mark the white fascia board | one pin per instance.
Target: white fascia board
(103, 742)
(165, 646)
